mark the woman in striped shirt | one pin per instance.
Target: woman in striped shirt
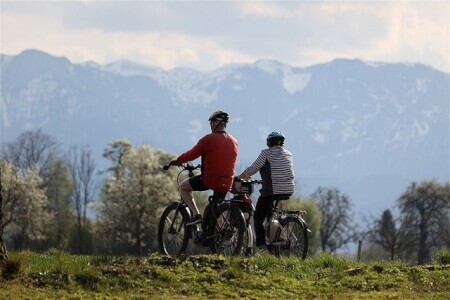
(275, 165)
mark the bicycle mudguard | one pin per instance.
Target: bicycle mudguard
(305, 225)
(183, 209)
(299, 216)
(245, 204)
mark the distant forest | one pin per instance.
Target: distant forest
(48, 195)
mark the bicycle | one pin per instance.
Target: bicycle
(242, 190)
(223, 224)
(286, 231)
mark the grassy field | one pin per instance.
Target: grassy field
(59, 275)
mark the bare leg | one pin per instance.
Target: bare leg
(186, 194)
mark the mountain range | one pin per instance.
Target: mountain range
(367, 128)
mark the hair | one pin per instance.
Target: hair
(275, 142)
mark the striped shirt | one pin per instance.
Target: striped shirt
(275, 165)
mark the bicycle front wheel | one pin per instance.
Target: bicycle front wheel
(291, 238)
(173, 235)
(227, 231)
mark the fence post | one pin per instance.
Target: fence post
(359, 249)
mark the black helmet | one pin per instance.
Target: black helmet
(275, 138)
(219, 116)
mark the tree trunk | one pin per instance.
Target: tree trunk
(423, 248)
(392, 250)
(80, 239)
(3, 253)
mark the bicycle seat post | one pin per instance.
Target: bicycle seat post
(275, 206)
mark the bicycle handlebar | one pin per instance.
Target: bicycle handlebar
(184, 167)
(251, 181)
(254, 181)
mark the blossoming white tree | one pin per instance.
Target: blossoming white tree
(24, 205)
(134, 195)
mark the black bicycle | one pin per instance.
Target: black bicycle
(222, 230)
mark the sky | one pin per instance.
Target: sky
(206, 35)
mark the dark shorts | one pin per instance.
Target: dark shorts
(197, 184)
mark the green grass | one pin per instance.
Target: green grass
(57, 274)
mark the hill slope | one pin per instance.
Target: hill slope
(57, 275)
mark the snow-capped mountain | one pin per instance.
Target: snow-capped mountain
(366, 128)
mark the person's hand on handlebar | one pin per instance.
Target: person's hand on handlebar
(174, 163)
(243, 176)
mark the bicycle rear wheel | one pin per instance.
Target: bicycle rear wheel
(173, 235)
(247, 241)
(227, 231)
(291, 238)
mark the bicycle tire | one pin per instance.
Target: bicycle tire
(291, 238)
(247, 242)
(227, 231)
(173, 241)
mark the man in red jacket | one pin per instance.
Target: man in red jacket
(218, 151)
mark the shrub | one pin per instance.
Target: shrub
(325, 260)
(88, 279)
(12, 267)
(442, 257)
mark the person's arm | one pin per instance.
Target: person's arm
(194, 153)
(255, 166)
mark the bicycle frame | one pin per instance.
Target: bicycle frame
(282, 214)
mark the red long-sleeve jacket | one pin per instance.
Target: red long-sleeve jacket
(218, 151)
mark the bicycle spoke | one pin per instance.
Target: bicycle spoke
(172, 235)
(292, 240)
(227, 234)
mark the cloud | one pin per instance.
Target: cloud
(264, 9)
(382, 31)
(207, 35)
(167, 50)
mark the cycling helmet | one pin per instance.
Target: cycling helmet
(275, 138)
(219, 116)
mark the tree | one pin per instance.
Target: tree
(32, 149)
(134, 195)
(390, 238)
(337, 227)
(116, 154)
(81, 167)
(443, 234)
(425, 207)
(111, 195)
(24, 206)
(3, 252)
(59, 191)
